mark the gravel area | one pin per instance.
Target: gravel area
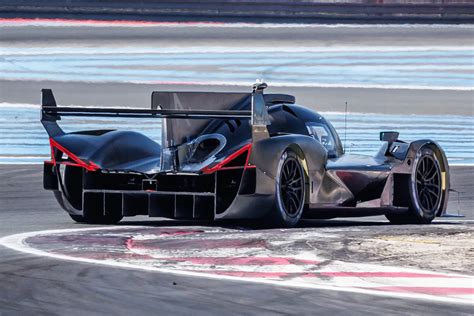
(439, 247)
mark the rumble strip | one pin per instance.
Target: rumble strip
(277, 257)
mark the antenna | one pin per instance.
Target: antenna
(345, 128)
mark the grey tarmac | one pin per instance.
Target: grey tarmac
(39, 285)
(368, 100)
(238, 36)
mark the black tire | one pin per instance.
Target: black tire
(77, 218)
(425, 189)
(107, 219)
(73, 187)
(98, 219)
(72, 180)
(290, 191)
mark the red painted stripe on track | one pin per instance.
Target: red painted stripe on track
(102, 22)
(427, 290)
(255, 274)
(100, 255)
(205, 244)
(246, 261)
(249, 274)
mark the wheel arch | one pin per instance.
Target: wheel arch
(266, 155)
(418, 146)
(301, 155)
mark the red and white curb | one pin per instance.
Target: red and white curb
(278, 257)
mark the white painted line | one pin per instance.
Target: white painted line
(460, 164)
(270, 83)
(19, 22)
(453, 219)
(17, 242)
(119, 50)
(19, 105)
(26, 157)
(37, 106)
(339, 113)
(21, 163)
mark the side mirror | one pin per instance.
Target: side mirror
(389, 136)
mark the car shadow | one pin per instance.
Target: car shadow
(254, 225)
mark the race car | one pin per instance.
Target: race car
(253, 156)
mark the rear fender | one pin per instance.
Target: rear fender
(117, 150)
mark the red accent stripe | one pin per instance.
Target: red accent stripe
(77, 161)
(221, 165)
(427, 290)
(238, 167)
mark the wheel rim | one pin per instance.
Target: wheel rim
(291, 187)
(428, 184)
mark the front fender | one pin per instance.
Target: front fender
(267, 152)
(446, 183)
(408, 164)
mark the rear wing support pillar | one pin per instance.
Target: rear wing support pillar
(260, 118)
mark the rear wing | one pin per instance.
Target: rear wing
(51, 112)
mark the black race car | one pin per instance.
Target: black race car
(236, 156)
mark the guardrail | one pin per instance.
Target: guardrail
(458, 11)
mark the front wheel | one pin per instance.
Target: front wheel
(289, 191)
(426, 190)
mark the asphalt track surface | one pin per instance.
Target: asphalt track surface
(117, 39)
(40, 285)
(205, 35)
(321, 99)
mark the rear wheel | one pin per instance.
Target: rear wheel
(289, 191)
(426, 190)
(97, 218)
(77, 218)
(113, 218)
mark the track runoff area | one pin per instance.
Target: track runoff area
(287, 258)
(290, 258)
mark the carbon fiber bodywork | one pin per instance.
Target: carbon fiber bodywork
(223, 163)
